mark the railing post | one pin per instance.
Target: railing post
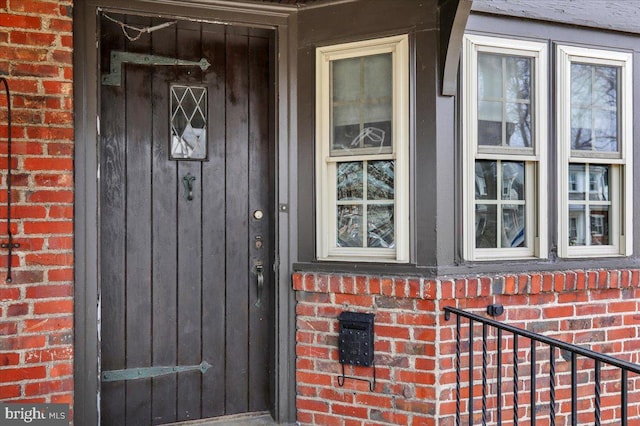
(470, 372)
(597, 390)
(533, 382)
(623, 398)
(552, 385)
(484, 374)
(499, 378)
(515, 379)
(574, 390)
(458, 370)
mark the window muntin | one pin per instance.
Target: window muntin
(504, 116)
(188, 122)
(594, 144)
(362, 151)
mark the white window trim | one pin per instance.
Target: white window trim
(536, 162)
(621, 173)
(326, 205)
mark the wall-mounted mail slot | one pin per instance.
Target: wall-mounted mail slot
(355, 339)
(355, 343)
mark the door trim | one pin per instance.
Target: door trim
(86, 173)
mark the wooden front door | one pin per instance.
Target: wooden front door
(186, 220)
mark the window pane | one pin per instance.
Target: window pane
(577, 182)
(380, 180)
(377, 76)
(598, 183)
(518, 77)
(512, 180)
(380, 226)
(605, 124)
(605, 88)
(489, 123)
(486, 180)
(345, 81)
(349, 181)
(486, 226)
(581, 123)
(489, 76)
(518, 125)
(599, 225)
(577, 226)
(513, 226)
(594, 108)
(350, 226)
(581, 85)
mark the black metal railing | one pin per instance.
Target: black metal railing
(569, 352)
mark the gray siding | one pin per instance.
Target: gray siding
(618, 15)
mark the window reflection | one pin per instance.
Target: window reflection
(361, 105)
(500, 204)
(594, 107)
(591, 232)
(371, 203)
(591, 179)
(504, 100)
(350, 226)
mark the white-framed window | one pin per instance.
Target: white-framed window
(594, 120)
(362, 150)
(504, 148)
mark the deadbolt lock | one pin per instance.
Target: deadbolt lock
(258, 214)
(258, 241)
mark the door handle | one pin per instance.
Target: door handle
(260, 279)
(188, 186)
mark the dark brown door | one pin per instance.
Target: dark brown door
(186, 221)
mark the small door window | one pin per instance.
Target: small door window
(188, 122)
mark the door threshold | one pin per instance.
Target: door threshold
(246, 419)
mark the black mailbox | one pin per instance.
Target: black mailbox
(355, 338)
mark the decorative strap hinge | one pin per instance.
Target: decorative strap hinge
(114, 78)
(148, 372)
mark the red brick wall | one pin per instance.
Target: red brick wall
(415, 346)
(36, 308)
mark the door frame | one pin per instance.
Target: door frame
(86, 173)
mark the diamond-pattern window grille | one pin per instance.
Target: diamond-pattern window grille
(188, 122)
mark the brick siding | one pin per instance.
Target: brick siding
(415, 347)
(36, 308)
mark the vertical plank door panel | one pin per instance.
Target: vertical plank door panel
(238, 265)
(164, 192)
(136, 81)
(112, 231)
(259, 199)
(214, 230)
(189, 240)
